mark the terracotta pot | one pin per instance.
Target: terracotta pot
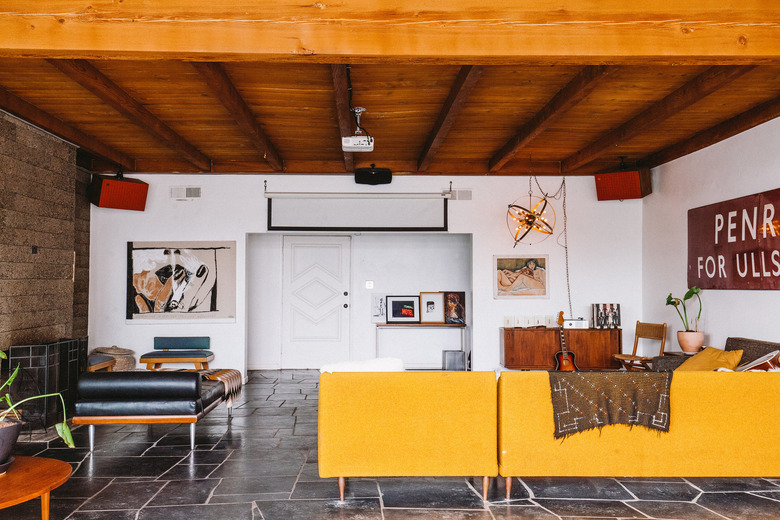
(9, 431)
(690, 341)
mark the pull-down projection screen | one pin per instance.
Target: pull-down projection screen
(334, 213)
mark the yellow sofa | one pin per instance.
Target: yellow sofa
(723, 424)
(390, 424)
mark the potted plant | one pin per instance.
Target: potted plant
(10, 423)
(690, 339)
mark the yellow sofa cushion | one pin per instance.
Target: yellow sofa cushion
(407, 424)
(712, 358)
(712, 414)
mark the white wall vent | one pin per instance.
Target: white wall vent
(185, 192)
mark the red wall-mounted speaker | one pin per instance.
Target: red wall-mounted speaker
(113, 192)
(633, 184)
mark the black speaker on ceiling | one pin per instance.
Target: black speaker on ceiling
(373, 175)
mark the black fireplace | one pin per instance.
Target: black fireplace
(46, 368)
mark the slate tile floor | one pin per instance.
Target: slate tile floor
(264, 466)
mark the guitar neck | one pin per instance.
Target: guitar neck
(563, 339)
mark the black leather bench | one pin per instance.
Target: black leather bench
(145, 398)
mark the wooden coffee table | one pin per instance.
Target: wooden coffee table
(31, 477)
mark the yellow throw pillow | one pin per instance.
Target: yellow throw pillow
(712, 358)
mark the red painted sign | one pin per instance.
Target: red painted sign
(735, 244)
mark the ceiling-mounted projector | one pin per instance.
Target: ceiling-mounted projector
(357, 143)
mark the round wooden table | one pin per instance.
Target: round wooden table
(31, 477)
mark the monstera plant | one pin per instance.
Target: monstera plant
(690, 339)
(680, 302)
(10, 423)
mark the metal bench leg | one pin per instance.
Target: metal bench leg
(192, 436)
(91, 437)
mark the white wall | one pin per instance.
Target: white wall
(742, 165)
(605, 252)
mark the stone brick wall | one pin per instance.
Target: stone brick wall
(44, 219)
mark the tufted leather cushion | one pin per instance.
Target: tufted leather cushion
(146, 393)
(139, 385)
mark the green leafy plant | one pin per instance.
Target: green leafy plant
(680, 302)
(10, 411)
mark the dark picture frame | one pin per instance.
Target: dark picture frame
(455, 307)
(403, 309)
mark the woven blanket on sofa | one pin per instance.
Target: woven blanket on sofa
(585, 400)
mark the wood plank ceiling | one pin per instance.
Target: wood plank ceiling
(230, 87)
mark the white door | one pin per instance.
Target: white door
(315, 301)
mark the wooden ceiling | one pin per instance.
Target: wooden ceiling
(543, 87)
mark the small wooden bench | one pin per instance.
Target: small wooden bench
(179, 350)
(97, 362)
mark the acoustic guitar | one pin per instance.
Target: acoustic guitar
(564, 360)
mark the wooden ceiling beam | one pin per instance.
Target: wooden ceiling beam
(459, 92)
(581, 31)
(745, 121)
(220, 84)
(574, 92)
(86, 75)
(341, 91)
(703, 85)
(34, 115)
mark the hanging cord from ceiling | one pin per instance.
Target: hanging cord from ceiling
(560, 194)
(356, 111)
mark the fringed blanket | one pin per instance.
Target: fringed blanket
(585, 400)
(230, 377)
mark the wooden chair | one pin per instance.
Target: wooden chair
(655, 331)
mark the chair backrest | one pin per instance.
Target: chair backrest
(650, 331)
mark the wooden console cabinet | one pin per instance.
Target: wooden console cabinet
(534, 349)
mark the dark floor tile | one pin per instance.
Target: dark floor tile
(249, 497)
(206, 457)
(733, 484)
(674, 491)
(430, 493)
(185, 492)
(125, 466)
(305, 429)
(169, 451)
(122, 449)
(570, 487)
(243, 486)
(740, 505)
(520, 512)
(248, 444)
(310, 473)
(439, 514)
(200, 512)
(65, 454)
(120, 495)
(104, 515)
(269, 455)
(674, 511)
(589, 508)
(298, 442)
(59, 509)
(189, 472)
(362, 508)
(257, 468)
(81, 487)
(329, 490)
